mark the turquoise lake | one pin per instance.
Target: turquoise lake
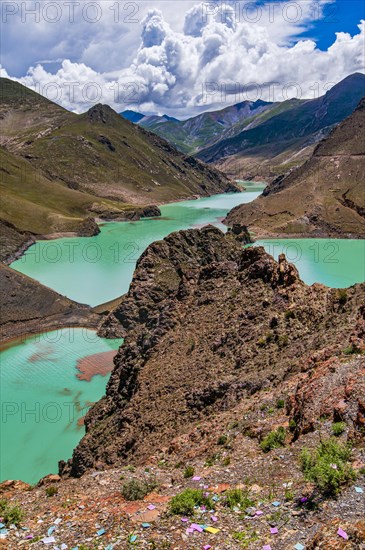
(41, 394)
(42, 399)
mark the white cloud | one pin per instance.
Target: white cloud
(213, 57)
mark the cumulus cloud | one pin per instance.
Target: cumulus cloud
(218, 57)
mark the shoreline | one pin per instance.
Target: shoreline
(17, 254)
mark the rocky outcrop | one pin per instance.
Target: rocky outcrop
(324, 197)
(28, 307)
(206, 324)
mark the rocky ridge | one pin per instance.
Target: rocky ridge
(207, 324)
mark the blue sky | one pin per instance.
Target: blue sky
(182, 57)
(341, 16)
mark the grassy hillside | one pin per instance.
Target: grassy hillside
(330, 186)
(286, 130)
(59, 168)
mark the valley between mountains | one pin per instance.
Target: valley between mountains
(233, 413)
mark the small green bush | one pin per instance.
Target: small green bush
(280, 404)
(328, 466)
(342, 296)
(338, 428)
(188, 472)
(238, 497)
(11, 515)
(184, 503)
(137, 490)
(273, 440)
(222, 440)
(51, 491)
(292, 425)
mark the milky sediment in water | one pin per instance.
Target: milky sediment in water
(40, 373)
(43, 399)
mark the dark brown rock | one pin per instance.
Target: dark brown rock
(199, 337)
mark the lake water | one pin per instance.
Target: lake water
(42, 400)
(42, 396)
(97, 269)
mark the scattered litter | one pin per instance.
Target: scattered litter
(359, 490)
(64, 546)
(287, 485)
(212, 530)
(133, 538)
(2, 525)
(151, 507)
(196, 527)
(207, 547)
(214, 518)
(196, 478)
(342, 533)
(299, 546)
(51, 530)
(48, 540)
(303, 500)
(276, 503)
(215, 498)
(274, 530)
(146, 525)
(57, 521)
(189, 530)
(109, 547)
(100, 532)
(266, 547)
(259, 513)
(184, 520)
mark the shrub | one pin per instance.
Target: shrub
(184, 503)
(342, 296)
(137, 490)
(222, 440)
(328, 466)
(245, 539)
(338, 428)
(51, 491)
(11, 515)
(189, 472)
(280, 404)
(292, 425)
(273, 440)
(226, 461)
(238, 497)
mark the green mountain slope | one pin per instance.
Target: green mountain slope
(60, 168)
(280, 138)
(324, 197)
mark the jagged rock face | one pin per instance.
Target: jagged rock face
(206, 323)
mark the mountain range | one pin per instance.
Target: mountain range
(262, 139)
(324, 197)
(60, 170)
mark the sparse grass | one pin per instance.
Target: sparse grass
(11, 515)
(137, 490)
(338, 428)
(188, 472)
(328, 466)
(280, 404)
(238, 498)
(245, 538)
(51, 490)
(222, 440)
(273, 440)
(226, 461)
(185, 502)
